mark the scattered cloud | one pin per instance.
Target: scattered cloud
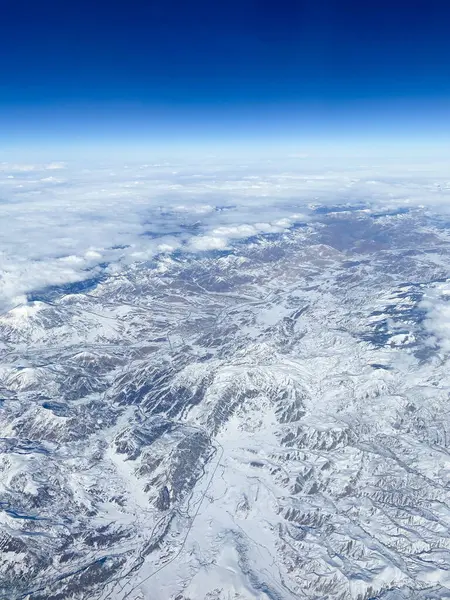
(23, 167)
(196, 209)
(207, 242)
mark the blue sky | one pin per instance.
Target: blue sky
(248, 70)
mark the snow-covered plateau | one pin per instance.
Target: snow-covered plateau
(265, 420)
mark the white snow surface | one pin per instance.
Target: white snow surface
(265, 420)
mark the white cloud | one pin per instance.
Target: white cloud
(55, 230)
(26, 167)
(208, 242)
(55, 165)
(237, 231)
(199, 209)
(166, 247)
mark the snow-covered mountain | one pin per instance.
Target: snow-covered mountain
(266, 421)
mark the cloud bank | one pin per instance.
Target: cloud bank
(62, 223)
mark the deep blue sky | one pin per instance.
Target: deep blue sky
(244, 68)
